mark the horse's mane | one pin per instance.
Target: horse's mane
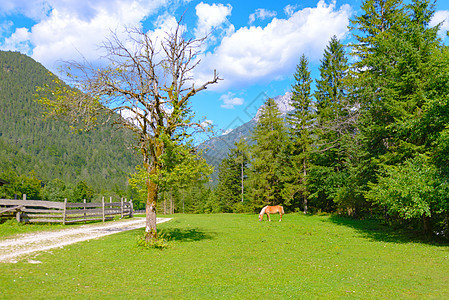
(263, 210)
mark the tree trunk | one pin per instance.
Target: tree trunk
(427, 225)
(304, 185)
(150, 228)
(446, 225)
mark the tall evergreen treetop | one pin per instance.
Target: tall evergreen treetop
(300, 120)
(331, 91)
(270, 136)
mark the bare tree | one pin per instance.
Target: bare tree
(149, 82)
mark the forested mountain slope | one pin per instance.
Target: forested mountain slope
(28, 142)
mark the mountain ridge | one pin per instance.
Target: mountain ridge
(216, 148)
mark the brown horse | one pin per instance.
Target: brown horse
(271, 210)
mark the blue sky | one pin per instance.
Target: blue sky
(254, 45)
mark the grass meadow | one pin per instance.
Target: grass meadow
(235, 256)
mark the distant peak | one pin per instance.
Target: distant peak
(283, 103)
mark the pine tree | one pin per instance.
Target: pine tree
(300, 120)
(231, 176)
(400, 79)
(335, 130)
(394, 85)
(270, 136)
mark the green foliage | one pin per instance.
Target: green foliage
(56, 190)
(407, 190)
(232, 174)
(270, 136)
(160, 242)
(183, 170)
(30, 142)
(331, 182)
(82, 192)
(297, 152)
(18, 185)
(53, 97)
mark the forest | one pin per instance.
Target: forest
(371, 141)
(42, 157)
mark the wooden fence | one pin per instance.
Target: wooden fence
(64, 212)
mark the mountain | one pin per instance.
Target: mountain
(216, 148)
(102, 158)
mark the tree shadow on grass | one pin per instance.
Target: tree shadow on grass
(186, 235)
(376, 230)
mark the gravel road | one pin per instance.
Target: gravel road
(23, 245)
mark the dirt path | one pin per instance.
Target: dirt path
(25, 244)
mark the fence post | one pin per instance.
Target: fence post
(18, 213)
(131, 209)
(84, 201)
(65, 212)
(121, 208)
(102, 206)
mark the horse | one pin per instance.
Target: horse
(271, 210)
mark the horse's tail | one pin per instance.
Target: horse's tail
(282, 209)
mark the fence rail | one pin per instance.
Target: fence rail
(34, 211)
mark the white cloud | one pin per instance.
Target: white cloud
(207, 123)
(261, 14)
(18, 41)
(262, 54)
(289, 10)
(5, 27)
(441, 16)
(210, 17)
(33, 9)
(68, 29)
(230, 101)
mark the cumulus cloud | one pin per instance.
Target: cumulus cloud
(261, 14)
(441, 16)
(230, 101)
(68, 29)
(261, 54)
(18, 41)
(33, 9)
(210, 17)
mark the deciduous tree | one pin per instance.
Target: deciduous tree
(148, 81)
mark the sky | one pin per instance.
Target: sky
(254, 45)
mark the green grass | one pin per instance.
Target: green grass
(11, 227)
(235, 256)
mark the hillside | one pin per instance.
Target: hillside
(102, 158)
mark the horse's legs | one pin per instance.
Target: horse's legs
(281, 217)
(269, 219)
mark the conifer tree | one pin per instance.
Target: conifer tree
(300, 120)
(231, 176)
(399, 80)
(335, 127)
(270, 136)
